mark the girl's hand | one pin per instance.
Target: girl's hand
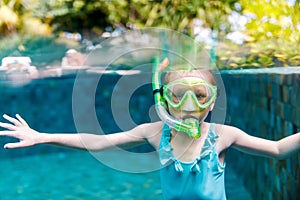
(18, 128)
(164, 64)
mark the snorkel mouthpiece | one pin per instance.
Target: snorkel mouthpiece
(189, 126)
(193, 130)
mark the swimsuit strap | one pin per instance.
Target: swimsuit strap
(165, 152)
(167, 155)
(166, 136)
(208, 148)
(210, 141)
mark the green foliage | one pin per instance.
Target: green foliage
(71, 15)
(274, 37)
(273, 31)
(176, 14)
(16, 16)
(266, 53)
(274, 19)
(9, 18)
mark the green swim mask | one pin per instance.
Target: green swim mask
(179, 92)
(176, 94)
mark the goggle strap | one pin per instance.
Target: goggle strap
(160, 91)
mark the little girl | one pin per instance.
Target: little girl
(192, 151)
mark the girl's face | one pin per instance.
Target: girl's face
(189, 107)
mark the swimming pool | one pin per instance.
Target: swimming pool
(74, 175)
(79, 176)
(47, 172)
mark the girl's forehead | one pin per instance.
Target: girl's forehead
(205, 75)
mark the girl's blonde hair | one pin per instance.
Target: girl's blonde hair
(187, 70)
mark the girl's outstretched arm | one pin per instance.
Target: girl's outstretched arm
(288, 146)
(18, 128)
(280, 149)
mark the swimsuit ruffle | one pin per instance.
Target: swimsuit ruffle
(166, 150)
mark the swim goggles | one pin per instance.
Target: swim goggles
(178, 92)
(166, 94)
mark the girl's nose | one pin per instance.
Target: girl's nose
(189, 105)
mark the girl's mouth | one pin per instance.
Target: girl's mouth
(189, 117)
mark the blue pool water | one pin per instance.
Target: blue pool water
(79, 176)
(48, 173)
(72, 176)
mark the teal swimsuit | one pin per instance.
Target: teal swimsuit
(200, 179)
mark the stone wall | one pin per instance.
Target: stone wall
(265, 103)
(48, 106)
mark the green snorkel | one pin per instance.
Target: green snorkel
(190, 126)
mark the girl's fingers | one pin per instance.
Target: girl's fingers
(8, 126)
(7, 133)
(12, 120)
(13, 145)
(21, 120)
(164, 64)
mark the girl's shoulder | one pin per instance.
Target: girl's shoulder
(221, 129)
(152, 132)
(227, 134)
(152, 126)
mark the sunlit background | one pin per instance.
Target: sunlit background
(44, 43)
(241, 33)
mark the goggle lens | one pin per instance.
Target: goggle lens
(201, 92)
